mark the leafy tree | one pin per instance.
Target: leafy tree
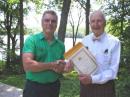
(118, 25)
(10, 26)
(9, 11)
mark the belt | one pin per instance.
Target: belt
(37, 83)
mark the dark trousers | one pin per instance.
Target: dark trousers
(34, 89)
(98, 90)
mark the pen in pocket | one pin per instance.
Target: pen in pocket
(106, 51)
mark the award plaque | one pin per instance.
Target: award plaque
(84, 62)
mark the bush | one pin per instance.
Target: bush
(123, 83)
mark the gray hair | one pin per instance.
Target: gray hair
(50, 12)
(101, 14)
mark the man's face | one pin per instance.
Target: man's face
(49, 24)
(97, 23)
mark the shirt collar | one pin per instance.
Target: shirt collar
(99, 38)
(42, 36)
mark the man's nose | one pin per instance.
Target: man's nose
(52, 21)
(95, 23)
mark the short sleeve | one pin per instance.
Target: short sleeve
(29, 45)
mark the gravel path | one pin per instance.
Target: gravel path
(9, 91)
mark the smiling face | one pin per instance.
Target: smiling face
(97, 23)
(49, 23)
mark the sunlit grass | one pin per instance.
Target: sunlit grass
(14, 80)
(69, 83)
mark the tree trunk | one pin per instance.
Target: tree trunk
(8, 23)
(8, 29)
(64, 18)
(21, 30)
(87, 10)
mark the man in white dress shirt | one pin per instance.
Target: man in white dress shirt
(106, 50)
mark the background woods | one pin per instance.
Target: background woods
(73, 24)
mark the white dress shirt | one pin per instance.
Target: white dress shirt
(106, 50)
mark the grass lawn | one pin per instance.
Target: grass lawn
(14, 80)
(69, 83)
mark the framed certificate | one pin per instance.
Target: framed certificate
(84, 62)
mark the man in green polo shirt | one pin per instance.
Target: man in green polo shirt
(41, 52)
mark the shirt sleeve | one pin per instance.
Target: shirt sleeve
(29, 45)
(111, 72)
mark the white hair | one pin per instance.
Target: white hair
(101, 14)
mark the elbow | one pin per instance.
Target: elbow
(27, 65)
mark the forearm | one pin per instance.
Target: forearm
(35, 66)
(103, 77)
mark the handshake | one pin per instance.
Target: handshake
(62, 66)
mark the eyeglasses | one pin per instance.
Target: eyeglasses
(49, 20)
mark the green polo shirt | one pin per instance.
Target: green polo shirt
(43, 52)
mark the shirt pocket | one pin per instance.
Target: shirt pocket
(107, 59)
(41, 53)
(104, 58)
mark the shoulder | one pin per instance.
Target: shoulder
(60, 42)
(113, 38)
(60, 45)
(87, 38)
(34, 36)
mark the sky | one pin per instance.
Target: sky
(33, 20)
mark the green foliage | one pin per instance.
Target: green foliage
(2, 66)
(118, 25)
(116, 14)
(13, 68)
(9, 25)
(14, 80)
(38, 4)
(57, 3)
(123, 83)
(70, 86)
(13, 1)
(126, 48)
(69, 83)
